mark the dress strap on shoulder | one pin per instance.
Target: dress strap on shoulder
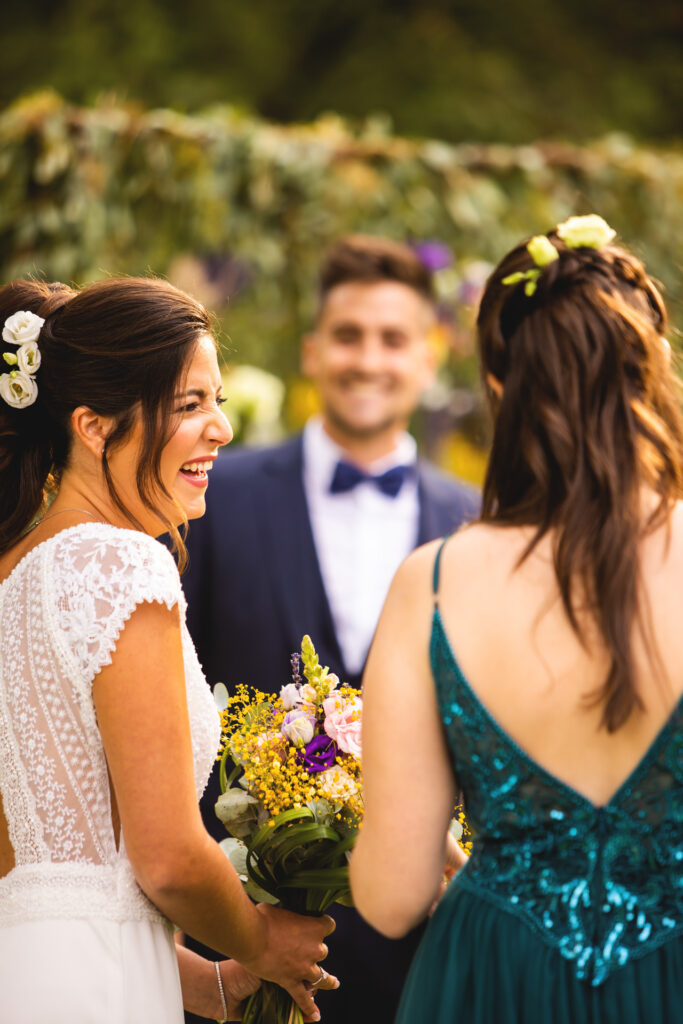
(437, 569)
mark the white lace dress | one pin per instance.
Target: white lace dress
(79, 941)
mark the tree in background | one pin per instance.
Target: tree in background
(442, 68)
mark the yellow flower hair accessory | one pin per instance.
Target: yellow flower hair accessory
(542, 252)
(590, 232)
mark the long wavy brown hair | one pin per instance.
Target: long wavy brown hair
(589, 415)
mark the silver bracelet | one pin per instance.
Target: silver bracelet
(222, 992)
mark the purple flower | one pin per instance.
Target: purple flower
(319, 754)
(433, 255)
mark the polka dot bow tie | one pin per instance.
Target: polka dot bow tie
(347, 476)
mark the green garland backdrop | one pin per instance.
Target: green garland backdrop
(238, 210)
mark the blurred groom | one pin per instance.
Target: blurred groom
(306, 536)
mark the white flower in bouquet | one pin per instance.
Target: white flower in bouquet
(290, 696)
(336, 784)
(298, 727)
(309, 695)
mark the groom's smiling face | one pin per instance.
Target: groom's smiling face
(370, 357)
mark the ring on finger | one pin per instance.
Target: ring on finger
(323, 975)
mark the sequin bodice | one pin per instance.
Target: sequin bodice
(601, 884)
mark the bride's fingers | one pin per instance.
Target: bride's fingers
(305, 993)
(329, 982)
(303, 996)
(323, 980)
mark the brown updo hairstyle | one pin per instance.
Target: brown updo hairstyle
(119, 347)
(589, 413)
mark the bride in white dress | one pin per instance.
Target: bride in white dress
(107, 728)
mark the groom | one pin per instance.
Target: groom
(306, 536)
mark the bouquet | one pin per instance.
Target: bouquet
(292, 801)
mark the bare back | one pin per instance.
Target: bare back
(514, 645)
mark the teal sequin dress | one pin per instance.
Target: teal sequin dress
(565, 913)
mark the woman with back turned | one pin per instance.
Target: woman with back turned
(535, 661)
(110, 398)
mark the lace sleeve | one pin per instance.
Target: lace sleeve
(101, 574)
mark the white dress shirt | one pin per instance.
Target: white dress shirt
(361, 536)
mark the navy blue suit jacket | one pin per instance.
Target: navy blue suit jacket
(254, 588)
(253, 583)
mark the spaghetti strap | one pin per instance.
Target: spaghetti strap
(437, 569)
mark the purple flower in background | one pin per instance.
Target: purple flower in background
(433, 255)
(319, 754)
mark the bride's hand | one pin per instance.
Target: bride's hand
(199, 984)
(238, 985)
(292, 953)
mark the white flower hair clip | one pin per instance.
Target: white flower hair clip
(589, 232)
(18, 387)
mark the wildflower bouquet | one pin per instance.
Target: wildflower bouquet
(292, 801)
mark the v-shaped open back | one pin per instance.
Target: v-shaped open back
(600, 884)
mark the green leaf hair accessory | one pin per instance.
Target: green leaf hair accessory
(542, 252)
(18, 387)
(589, 232)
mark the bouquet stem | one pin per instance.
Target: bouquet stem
(270, 1004)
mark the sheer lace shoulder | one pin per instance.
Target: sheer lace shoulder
(100, 574)
(63, 608)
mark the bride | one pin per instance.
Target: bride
(111, 397)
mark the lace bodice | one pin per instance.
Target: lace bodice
(62, 610)
(601, 884)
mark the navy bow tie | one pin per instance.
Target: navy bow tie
(347, 476)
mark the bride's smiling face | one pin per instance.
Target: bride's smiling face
(190, 452)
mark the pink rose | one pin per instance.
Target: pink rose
(343, 723)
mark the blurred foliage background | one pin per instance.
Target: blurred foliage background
(461, 71)
(225, 146)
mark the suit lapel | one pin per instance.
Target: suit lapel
(429, 521)
(286, 528)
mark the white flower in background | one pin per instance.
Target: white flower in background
(18, 389)
(28, 357)
(254, 403)
(590, 232)
(289, 695)
(22, 327)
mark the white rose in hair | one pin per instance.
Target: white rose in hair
(589, 232)
(22, 327)
(18, 389)
(28, 357)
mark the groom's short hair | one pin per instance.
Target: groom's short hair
(370, 259)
